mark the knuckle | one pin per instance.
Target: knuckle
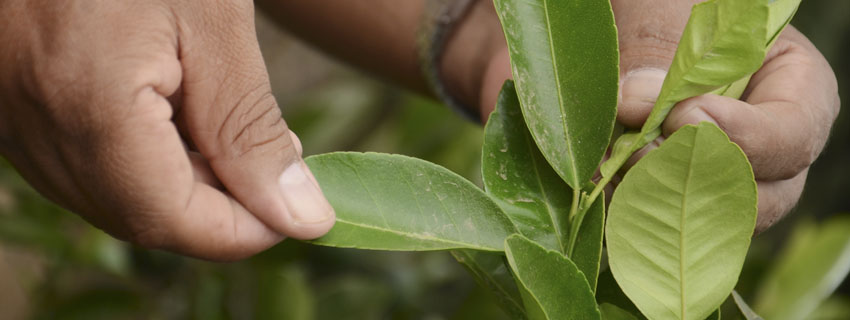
(648, 46)
(255, 124)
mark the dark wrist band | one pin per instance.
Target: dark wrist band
(438, 23)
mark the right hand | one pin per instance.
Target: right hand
(154, 120)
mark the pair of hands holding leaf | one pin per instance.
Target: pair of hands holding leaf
(154, 119)
(782, 121)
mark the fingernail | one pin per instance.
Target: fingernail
(641, 87)
(304, 199)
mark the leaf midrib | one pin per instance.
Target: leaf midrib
(460, 245)
(550, 211)
(561, 104)
(682, 226)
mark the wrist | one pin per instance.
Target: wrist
(470, 53)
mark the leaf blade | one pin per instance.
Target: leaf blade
(568, 93)
(393, 202)
(567, 296)
(716, 50)
(680, 224)
(516, 173)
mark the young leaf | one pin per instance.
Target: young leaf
(814, 264)
(565, 64)
(744, 307)
(491, 271)
(551, 286)
(680, 224)
(393, 202)
(517, 175)
(716, 49)
(781, 13)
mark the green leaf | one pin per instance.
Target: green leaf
(565, 64)
(491, 271)
(716, 49)
(552, 287)
(587, 253)
(780, 14)
(393, 202)
(517, 175)
(612, 312)
(813, 265)
(680, 224)
(744, 307)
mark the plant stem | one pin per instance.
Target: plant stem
(624, 147)
(574, 212)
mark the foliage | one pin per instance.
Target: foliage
(81, 273)
(680, 222)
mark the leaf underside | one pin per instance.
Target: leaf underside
(680, 224)
(393, 202)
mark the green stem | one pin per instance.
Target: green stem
(574, 212)
(625, 146)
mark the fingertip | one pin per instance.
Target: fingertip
(296, 142)
(310, 215)
(638, 91)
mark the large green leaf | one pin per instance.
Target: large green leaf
(393, 202)
(721, 44)
(491, 271)
(565, 64)
(680, 224)
(815, 262)
(518, 177)
(551, 286)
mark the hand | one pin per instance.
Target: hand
(154, 121)
(782, 122)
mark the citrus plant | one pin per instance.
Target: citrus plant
(679, 224)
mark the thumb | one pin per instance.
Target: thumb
(235, 122)
(649, 36)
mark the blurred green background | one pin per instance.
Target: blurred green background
(55, 266)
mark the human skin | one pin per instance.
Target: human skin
(782, 122)
(154, 121)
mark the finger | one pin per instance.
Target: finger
(777, 199)
(235, 123)
(785, 122)
(649, 36)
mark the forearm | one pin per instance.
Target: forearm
(380, 36)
